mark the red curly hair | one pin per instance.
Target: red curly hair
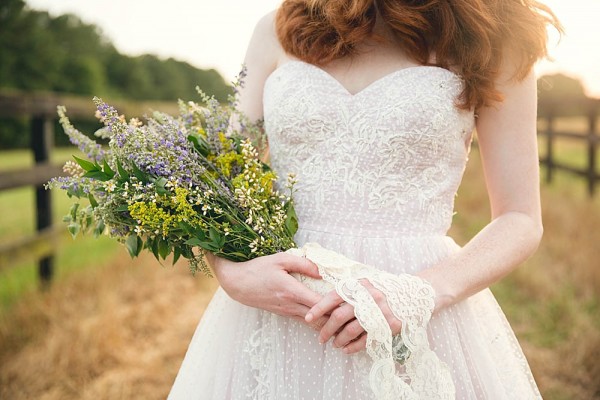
(471, 36)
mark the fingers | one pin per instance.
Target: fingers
(338, 318)
(303, 295)
(351, 331)
(326, 305)
(381, 300)
(317, 324)
(356, 346)
(302, 265)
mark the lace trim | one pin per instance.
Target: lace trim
(259, 349)
(411, 299)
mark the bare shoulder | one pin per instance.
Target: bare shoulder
(262, 58)
(264, 43)
(266, 24)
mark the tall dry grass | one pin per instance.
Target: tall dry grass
(117, 332)
(120, 331)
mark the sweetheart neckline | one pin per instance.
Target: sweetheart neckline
(366, 88)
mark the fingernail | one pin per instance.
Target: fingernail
(309, 317)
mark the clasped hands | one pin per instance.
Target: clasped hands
(335, 318)
(266, 283)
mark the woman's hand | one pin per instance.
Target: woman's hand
(341, 322)
(265, 283)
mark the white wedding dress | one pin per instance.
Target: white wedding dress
(378, 172)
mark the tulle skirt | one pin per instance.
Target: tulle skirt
(239, 352)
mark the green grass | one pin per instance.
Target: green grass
(18, 220)
(18, 159)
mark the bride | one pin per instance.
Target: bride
(372, 103)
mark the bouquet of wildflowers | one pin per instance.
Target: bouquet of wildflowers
(176, 183)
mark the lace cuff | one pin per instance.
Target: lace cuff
(422, 375)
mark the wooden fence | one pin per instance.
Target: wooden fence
(40, 108)
(590, 139)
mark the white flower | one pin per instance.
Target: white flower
(110, 186)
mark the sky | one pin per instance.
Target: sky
(215, 33)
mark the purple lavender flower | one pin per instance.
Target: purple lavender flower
(87, 146)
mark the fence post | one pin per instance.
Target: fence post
(592, 139)
(42, 141)
(549, 147)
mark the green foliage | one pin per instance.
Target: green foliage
(39, 52)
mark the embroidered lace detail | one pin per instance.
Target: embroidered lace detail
(397, 148)
(258, 348)
(411, 299)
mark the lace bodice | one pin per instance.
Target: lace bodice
(387, 159)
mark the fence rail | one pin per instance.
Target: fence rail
(590, 138)
(40, 108)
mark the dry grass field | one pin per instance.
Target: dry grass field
(119, 330)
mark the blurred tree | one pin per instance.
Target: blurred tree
(561, 94)
(63, 54)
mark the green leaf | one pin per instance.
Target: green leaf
(163, 248)
(186, 252)
(98, 175)
(99, 230)
(76, 193)
(133, 245)
(74, 229)
(107, 170)
(291, 220)
(139, 174)
(122, 208)
(154, 248)
(265, 167)
(73, 211)
(200, 144)
(194, 242)
(86, 165)
(210, 246)
(89, 219)
(185, 227)
(214, 235)
(238, 255)
(123, 174)
(160, 186)
(92, 200)
(176, 254)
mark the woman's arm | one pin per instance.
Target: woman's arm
(265, 282)
(507, 137)
(508, 145)
(262, 57)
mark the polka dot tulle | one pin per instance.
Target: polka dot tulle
(378, 172)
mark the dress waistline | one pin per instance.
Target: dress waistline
(372, 233)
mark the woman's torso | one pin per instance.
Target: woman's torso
(387, 158)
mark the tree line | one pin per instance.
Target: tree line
(40, 52)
